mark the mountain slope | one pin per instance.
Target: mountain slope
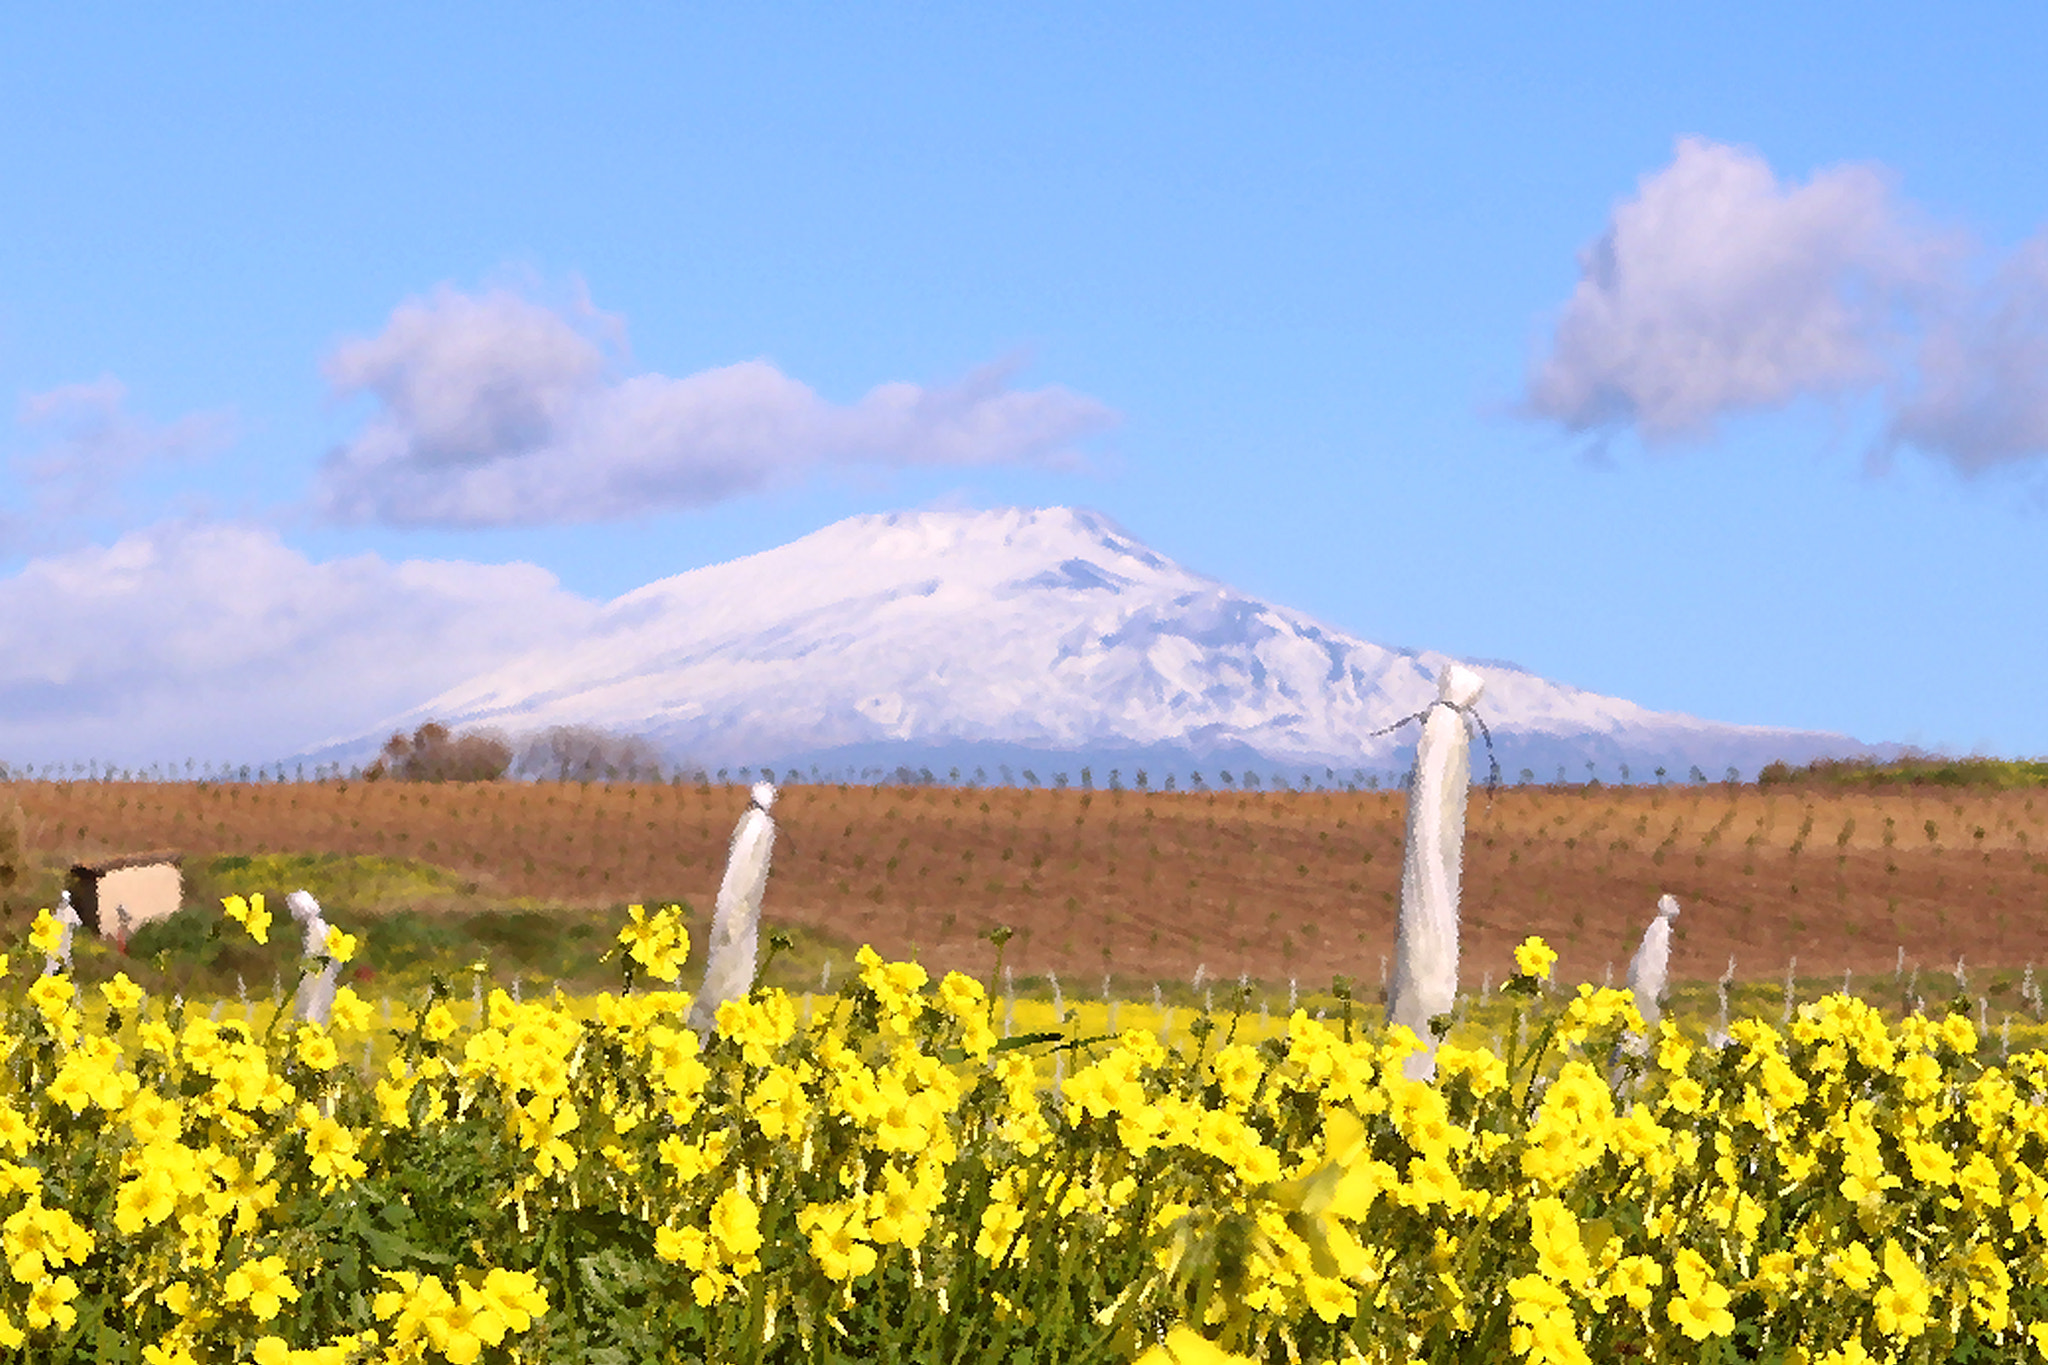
(1015, 634)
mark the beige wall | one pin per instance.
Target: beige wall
(149, 893)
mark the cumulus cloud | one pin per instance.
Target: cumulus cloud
(494, 410)
(220, 642)
(1719, 288)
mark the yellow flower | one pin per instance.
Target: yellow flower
(1635, 1279)
(51, 993)
(1185, 1346)
(316, 1049)
(330, 1147)
(1000, 1223)
(1854, 1266)
(688, 1246)
(961, 996)
(1701, 1308)
(440, 1023)
(515, 1296)
(836, 1232)
(49, 1304)
(37, 1238)
(659, 944)
(341, 947)
(121, 993)
(261, 1284)
(1534, 957)
(350, 1012)
(1901, 1305)
(250, 914)
(736, 1222)
(46, 936)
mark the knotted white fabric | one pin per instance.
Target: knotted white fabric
(66, 915)
(1426, 943)
(1650, 969)
(736, 922)
(316, 992)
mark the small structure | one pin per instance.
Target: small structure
(117, 896)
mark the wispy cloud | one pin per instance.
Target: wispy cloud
(1980, 393)
(219, 641)
(88, 442)
(494, 410)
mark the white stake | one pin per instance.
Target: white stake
(736, 921)
(66, 915)
(1426, 940)
(1650, 969)
(316, 992)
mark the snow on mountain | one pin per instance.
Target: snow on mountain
(1015, 636)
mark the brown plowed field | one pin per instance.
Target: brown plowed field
(1149, 885)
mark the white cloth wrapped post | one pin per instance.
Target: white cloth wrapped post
(736, 922)
(1650, 970)
(1426, 944)
(66, 915)
(316, 993)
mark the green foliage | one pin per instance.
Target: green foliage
(1997, 774)
(357, 884)
(418, 921)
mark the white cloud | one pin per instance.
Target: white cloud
(1718, 288)
(494, 410)
(220, 642)
(1981, 393)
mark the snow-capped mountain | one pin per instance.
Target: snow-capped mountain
(1044, 638)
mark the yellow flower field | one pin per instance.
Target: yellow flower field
(882, 1175)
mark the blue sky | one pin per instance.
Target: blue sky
(348, 351)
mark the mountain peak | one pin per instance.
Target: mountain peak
(1025, 631)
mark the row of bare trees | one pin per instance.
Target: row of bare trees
(564, 753)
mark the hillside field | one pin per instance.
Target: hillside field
(1150, 886)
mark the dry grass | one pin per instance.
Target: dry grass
(1144, 885)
